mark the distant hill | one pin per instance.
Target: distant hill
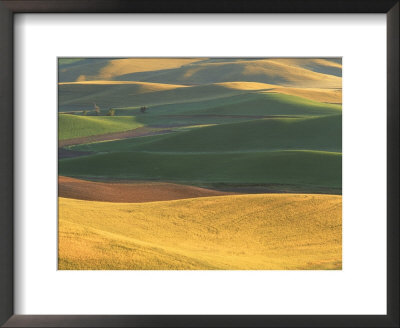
(322, 73)
(87, 69)
(83, 95)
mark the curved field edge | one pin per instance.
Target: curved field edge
(241, 232)
(129, 192)
(312, 168)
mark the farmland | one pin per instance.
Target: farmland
(73, 126)
(250, 232)
(200, 163)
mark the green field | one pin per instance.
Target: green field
(82, 96)
(315, 133)
(73, 126)
(265, 104)
(251, 103)
(228, 121)
(285, 167)
(207, 99)
(217, 134)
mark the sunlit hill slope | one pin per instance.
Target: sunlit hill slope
(266, 232)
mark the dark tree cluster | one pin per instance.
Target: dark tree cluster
(111, 112)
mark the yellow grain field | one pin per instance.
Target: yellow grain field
(123, 66)
(239, 232)
(143, 87)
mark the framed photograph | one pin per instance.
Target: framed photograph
(203, 164)
(199, 163)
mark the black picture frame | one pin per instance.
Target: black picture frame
(10, 7)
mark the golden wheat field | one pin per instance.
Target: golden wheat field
(235, 232)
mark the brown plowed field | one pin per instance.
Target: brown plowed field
(135, 192)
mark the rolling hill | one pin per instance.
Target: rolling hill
(303, 168)
(101, 80)
(129, 192)
(243, 232)
(82, 96)
(312, 133)
(317, 94)
(256, 104)
(204, 99)
(305, 72)
(273, 71)
(233, 164)
(87, 69)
